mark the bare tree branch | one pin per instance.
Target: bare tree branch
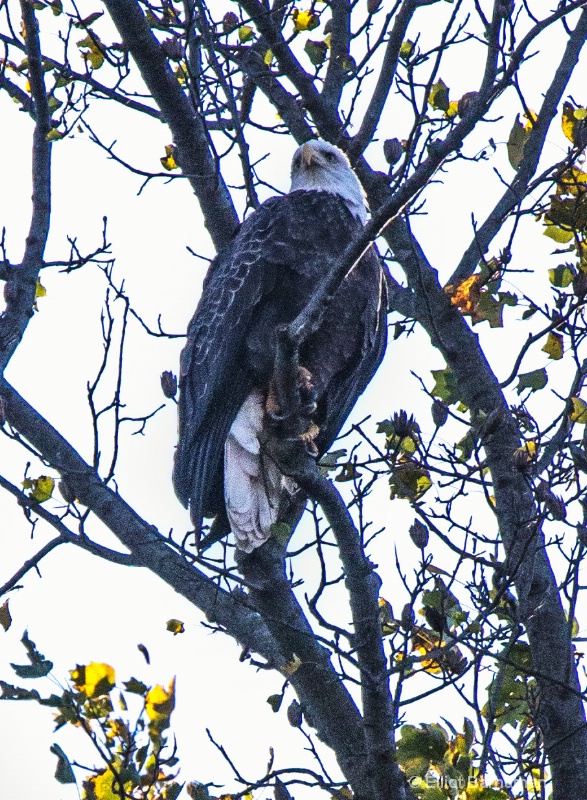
(516, 192)
(189, 132)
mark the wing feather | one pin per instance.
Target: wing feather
(262, 280)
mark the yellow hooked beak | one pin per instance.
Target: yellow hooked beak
(309, 156)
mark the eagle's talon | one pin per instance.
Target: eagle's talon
(307, 395)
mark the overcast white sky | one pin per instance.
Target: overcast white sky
(82, 609)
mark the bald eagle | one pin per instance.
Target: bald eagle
(261, 281)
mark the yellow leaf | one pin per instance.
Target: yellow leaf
(579, 412)
(53, 135)
(245, 34)
(41, 488)
(465, 296)
(159, 703)
(168, 161)
(268, 57)
(526, 453)
(40, 290)
(438, 97)
(304, 20)
(388, 623)
(452, 110)
(406, 49)
(93, 679)
(175, 626)
(570, 118)
(292, 666)
(94, 54)
(95, 58)
(104, 787)
(554, 346)
(409, 481)
(561, 276)
(532, 119)
(436, 570)
(573, 181)
(559, 235)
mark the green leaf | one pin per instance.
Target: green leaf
(53, 135)
(466, 446)
(445, 386)
(490, 309)
(469, 731)
(409, 482)
(10, 692)
(562, 276)
(64, 772)
(198, 791)
(275, 701)
(39, 666)
(330, 459)
(173, 791)
(175, 626)
(5, 618)
(419, 747)
(136, 687)
(535, 380)
(89, 20)
(316, 51)
(516, 143)
(348, 472)
(554, 346)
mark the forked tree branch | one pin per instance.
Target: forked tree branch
(516, 192)
(330, 707)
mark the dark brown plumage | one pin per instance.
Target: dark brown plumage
(261, 281)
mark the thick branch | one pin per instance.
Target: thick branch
(189, 132)
(362, 582)
(331, 709)
(372, 115)
(363, 585)
(325, 701)
(148, 548)
(250, 60)
(326, 117)
(340, 41)
(560, 714)
(21, 283)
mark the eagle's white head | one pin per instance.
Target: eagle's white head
(323, 166)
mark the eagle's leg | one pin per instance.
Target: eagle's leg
(307, 398)
(306, 393)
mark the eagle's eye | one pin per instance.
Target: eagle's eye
(297, 160)
(330, 156)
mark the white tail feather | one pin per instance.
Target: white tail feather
(252, 482)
